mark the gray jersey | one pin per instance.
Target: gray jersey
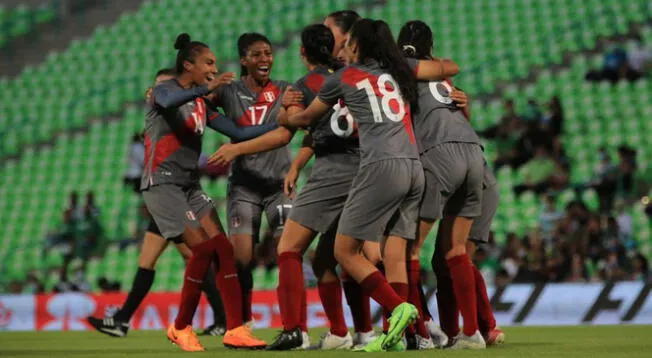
(374, 100)
(247, 108)
(335, 132)
(173, 138)
(439, 119)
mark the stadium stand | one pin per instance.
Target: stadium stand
(90, 154)
(22, 19)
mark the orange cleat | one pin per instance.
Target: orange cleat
(241, 337)
(496, 336)
(185, 339)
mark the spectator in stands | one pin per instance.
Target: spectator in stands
(89, 232)
(604, 180)
(143, 220)
(640, 268)
(136, 161)
(33, 284)
(508, 126)
(613, 68)
(65, 235)
(625, 223)
(549, 218)
(532, 112)
(553, 118)
(639, 59)
(627, 168)
(537, 173)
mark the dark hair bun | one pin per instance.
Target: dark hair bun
(182, 41)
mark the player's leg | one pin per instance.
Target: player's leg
(152, 248)
(237, 335)
(372, 210)
(479, 234)
(460, 210)
(245, 210)
(218, 327)
(291, 290)
(358, 301)
(330, 292)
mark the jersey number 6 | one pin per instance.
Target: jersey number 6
(388, 93)
(338, 113)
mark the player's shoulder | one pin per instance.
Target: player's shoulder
(281, 84)
(314, 79)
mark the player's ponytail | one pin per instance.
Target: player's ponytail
(415, 40)
(375, 42)
(244, 41)
(187, 51)
(318, 42)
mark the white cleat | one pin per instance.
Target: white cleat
(424, 343)
(330, 341)
(361, 339)
(475, 341)
(439, 338)
(305, 341)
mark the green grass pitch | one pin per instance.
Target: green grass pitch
(583, 341)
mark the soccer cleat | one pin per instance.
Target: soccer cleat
(109, 326)
(495, 337)
(424, 343)
(439, 338)
(401, 346)
(374, 346)
(305, 341)
(330, 341)
(241, 337)
(287, 340)
(214, 330)
(402, 316)
(185, 339)
(475, 341)
(361, 339)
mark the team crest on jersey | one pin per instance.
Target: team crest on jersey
(269, 96)
(190, 215)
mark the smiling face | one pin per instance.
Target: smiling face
(258, 61)
(204, 68)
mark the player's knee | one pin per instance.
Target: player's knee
(289, 246)
(146, 264)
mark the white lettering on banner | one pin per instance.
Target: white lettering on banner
(517, 304)
(69, 311)
(17, 313)
(151, 319)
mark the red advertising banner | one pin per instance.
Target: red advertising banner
(68, 311)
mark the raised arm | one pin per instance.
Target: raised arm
(436, 69)
(303, 119)
(167, 97)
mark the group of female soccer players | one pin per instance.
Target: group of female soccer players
(393, 153)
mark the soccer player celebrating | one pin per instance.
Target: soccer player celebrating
(174, 127)
(417, 42)
(154, 244)
(256, 181)
(316, 209)
(379, 89)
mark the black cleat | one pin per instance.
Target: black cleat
(214, 330)
(287, 340)
(109, 326)
(411, 340)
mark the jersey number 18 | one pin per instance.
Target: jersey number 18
(388, 93)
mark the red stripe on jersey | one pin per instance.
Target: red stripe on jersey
(407, 122)
(164, 147)
(416, 68)
(255, 115)
(314, 82)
